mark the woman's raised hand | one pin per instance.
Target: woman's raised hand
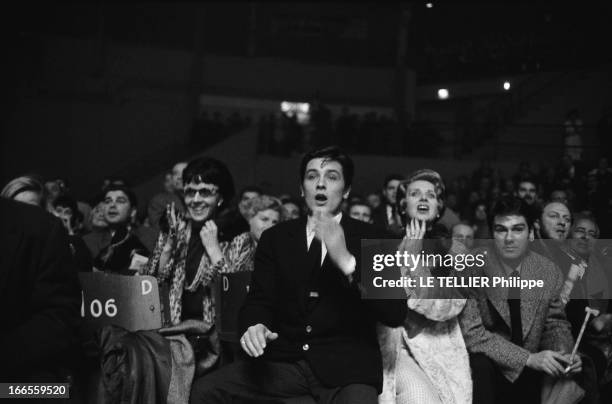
(210, 240)
(413, 240)
(416, 229)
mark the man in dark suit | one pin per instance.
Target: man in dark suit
(386, 214)
(40, 296)
(515, 336)
(304, 322)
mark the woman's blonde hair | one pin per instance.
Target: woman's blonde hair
(253, 206)
(22, 184)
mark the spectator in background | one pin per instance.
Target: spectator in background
(233, 220)
(463, 232)
(263, 212)
(55, 188)
(159, 203)
(97, 223)
(117, 249)
(554, 222)
(386, 215)
(559, 195)
(27, 189)
(590, 285)
(480, 220)
(60, 186)
(374, 200)
(292, 208)
(360, 211)
(65, 208)
(527, 190)
(249, 192)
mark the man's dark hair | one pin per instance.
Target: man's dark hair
(66, 201)
(126, 190)
(392, 177)
(514, 206)
(250, 188)
(114, 180)
(210, 171)
(330, 153)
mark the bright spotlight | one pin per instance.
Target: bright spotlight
(443, 93)
(506, 85)
(429, 5)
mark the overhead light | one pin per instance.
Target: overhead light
(506, 85)
(443, 93)
(429, 5)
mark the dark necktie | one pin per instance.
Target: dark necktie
(514, 302)
(313, 258)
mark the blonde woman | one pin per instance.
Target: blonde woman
(425, 361)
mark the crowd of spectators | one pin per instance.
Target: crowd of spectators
(107, 233)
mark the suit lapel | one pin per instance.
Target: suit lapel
(296, 238)
(498, 295)
(530, 298)
(297, 253)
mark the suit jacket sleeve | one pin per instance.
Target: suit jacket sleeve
(259, 303)
(557, 335)
(390, 312)
(55, 299)
(510, 358)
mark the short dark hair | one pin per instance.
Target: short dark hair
(392, 177)
(330, 153)
(126, 190)
(66, 201)
(511, 205)
(250, 188)
(211, 171)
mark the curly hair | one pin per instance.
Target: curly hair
(260, 203)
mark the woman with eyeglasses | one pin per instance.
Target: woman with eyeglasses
(190, 254)
(426, 360)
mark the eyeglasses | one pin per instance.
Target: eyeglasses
(203, 192)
